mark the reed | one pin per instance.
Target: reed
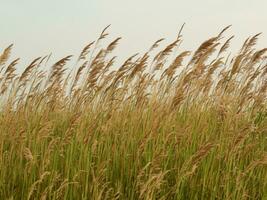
(166, 124)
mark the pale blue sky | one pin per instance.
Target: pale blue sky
(64, 26)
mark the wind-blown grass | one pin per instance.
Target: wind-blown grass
(193, 127)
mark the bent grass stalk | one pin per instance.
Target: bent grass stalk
(192, 127)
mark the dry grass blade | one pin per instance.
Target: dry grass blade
(180, 31)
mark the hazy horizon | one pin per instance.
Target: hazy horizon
(63, 27)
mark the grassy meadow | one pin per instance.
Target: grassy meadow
(165, 124)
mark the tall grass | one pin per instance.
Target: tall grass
(167, 124)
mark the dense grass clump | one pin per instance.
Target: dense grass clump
(167, 124)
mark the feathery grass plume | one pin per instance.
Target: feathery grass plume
(140, 65)
(99, 60)
(112, 45)
(9, 76)
(11, 69)
(208, 80)
(200, 67)
(117, 75)
(85, 51)
(57, 69)
(36, 183)
(54, 84)
(66, 81)
(178, 98)
(159, 59)
(128, 64)
(264, 70)
(225, 46)
(236, 65)
(109, 64)
(170, 71)
(260, 162)
(250, 43)
(190, 166)
(224, 30)
(5, 55)
(257, 56)
(202, 49)
(102, 36)
(43, 59)
(27, 154)
(28, 70)
(201, 153)
(103, 33)
(96, 68)
(78, 74)
(194, 130)
(156, 44)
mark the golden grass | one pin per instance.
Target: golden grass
(191, 127)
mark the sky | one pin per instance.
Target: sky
(64, 27)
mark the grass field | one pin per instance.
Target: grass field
(166, 124)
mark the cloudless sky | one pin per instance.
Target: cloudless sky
(63, 27)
